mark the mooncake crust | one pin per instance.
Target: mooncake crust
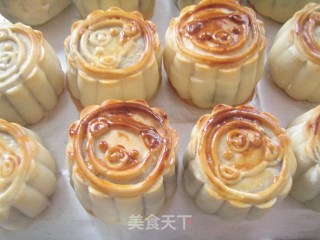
(304, 134)
(238, 163)
(122, 154)
(27, 176)
(215, 53)
(31, 77)
(294, 57)
(113, 54)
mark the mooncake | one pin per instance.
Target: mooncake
(239, 163)
(122, 160)
(27, 176)
(113, 54)
(215, 53)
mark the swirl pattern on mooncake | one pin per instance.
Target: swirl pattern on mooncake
(122, 159)
(27, 176)
(113, 55)
(239, 163)
(145, 7)
(31, 77)
(214, 53)
(294, 58)
(304, 132)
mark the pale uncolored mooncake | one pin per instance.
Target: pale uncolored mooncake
(122, 160)
(32, 12)
(239, 163)
(215, 53)
(279, 10)
(294, 58)
(304, 132)
(27, 176)
(31, 77)
(145, 7)
(184, 3)
(113, 54)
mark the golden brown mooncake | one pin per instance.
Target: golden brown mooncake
(239, 163)
(122, 159)
(215, 53)
(113, 54)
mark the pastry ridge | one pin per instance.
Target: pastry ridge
(27, 176)
(134, 161)
(145, 7)
(304, 133)
(94, 76)
(220, 46)
(295, 55)
(31, 78)
(238, 163)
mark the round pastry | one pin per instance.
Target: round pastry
(184, 3)
(294, 58)
(304, 132)
(239, 163)
(32, 12)
(27, 176)
(122, 159)
(113, 55)
(215, 53)
(31, 77)
(145, 7)
(279, 10)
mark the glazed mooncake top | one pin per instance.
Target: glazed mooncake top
(219, 32)
(113, 43)
(122, 148)
(244, 154)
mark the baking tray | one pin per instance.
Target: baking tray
(66, 218)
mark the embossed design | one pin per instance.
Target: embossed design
(110, 45)
(238, 144)
(18, 51)
(108, 163)
(247, 149)
(9, 164)
(10, 53)
(223, 32)
(307, 30)
(15, 155)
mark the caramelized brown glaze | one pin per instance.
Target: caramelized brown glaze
(122, 172)
(223, 31)
(240, 142)
(307, 23)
